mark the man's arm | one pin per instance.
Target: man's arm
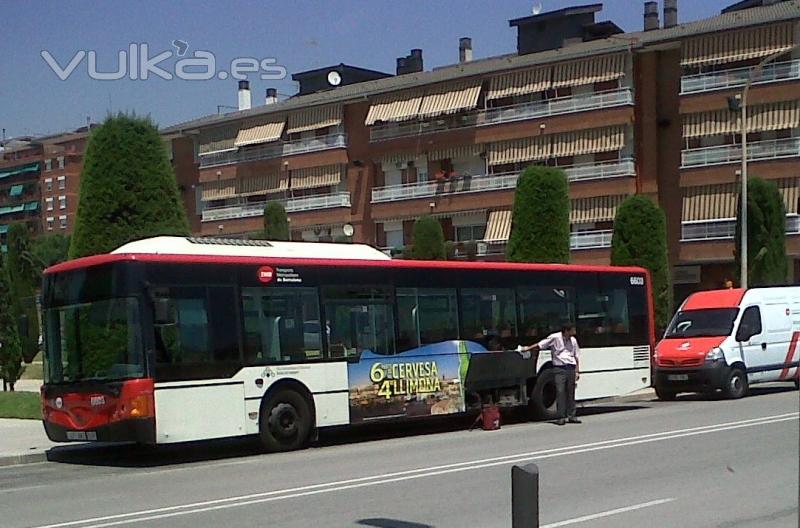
(577, 361)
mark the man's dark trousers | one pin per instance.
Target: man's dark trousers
(565, 391)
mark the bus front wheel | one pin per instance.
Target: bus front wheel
(542, 404)
(285, 421)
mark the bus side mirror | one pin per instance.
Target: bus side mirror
(23, 326)
(163, 311)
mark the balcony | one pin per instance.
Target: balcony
(277, 150)
(292, 205)
(725, 229)
(495, 182)
(721, 80)
(590, 239)
(756, 151)
(506, 114)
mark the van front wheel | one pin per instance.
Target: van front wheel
(735, 384)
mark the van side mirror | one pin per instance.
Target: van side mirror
(163, 311)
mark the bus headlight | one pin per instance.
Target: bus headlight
(715, 354)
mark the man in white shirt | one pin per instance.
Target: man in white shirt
(566, 366)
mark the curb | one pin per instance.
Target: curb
(27, 458)
(643, 396)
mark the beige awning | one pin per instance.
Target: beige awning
(588, 141)
(498, 226)
(394, 107)
(450, 98)
(710, 202)
(316, 177)
(390, 160)
(217, 139)
(519, 150)
(314, 118)
(589, 71)
(261, 184)
(260, 134)
(520, 82)
(771, 116)
(790, 190)
(460, 152)
(218, 190)
(738, 45)
(594, 209)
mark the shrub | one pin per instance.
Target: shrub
(428, 240)
(766, 235)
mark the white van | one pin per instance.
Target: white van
(728, 340)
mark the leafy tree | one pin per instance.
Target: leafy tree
(10, 349)
(23, 270)
(49, 250)
(640, 239)
(128, 188)
(428, 240)
(540, 218)
(766, 235)
(276, 224)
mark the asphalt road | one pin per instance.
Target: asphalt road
(686, 463)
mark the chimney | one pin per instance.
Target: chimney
(244, 95)
(411, 63)
(670, 13)
(464, 49)
(272, 96)
(650, 16)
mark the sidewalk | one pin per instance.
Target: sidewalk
(28, 385)
(22, 442)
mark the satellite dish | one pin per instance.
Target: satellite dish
(334, 79)
(348, 230)
(537, 8)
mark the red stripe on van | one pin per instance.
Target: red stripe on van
(729, 298)
(789, 356)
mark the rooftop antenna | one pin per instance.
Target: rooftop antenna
(537, 8)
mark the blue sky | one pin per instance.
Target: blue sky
(300, 35)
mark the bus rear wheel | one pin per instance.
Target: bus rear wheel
(542, 404)
(285, 421)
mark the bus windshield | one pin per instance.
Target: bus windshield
(98, 340)
(713, 322)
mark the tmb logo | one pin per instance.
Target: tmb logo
(265, 274)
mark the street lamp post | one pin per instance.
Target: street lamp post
(743, 128)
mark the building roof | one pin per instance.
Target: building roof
(789, 10)
(559, 13)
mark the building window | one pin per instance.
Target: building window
(49, 202)
(62, 182)
(50, 221)
(62, 202)
(470, 232)
(48, 184)
(60, 162)
(63, 221)
(48, 165)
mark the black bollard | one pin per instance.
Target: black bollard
(525, 496)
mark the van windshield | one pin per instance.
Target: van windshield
(712, 322)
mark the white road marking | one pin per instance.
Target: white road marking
(387, 478)
(608, 513)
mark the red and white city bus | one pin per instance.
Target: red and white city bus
(175, 339)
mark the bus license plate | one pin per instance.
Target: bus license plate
(678, 377)
(81, 435)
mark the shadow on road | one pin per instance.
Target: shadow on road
(755, 392)
(141, 456)
(391, 523)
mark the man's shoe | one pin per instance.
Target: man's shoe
(560, 421)
(573, 420)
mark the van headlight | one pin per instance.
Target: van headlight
(715, 354)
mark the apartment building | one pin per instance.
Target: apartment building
(20, 166)
(62, 159)
(621, 113)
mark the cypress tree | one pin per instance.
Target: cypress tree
(766, 235)
(23, 270)
(276, 224)
(428, 240)
(10, 350)
(540, 218)
(128, 188)
(640, 239)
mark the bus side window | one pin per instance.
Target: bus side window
(542, 310)
(489, 317)
(361, 320)
(426, 316)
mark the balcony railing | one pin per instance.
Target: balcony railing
(289, 148)
(725, 228)
(506, 114)
(292, 205)
(495, 182)
(719, 80)
(590, 239)
(756, 151)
